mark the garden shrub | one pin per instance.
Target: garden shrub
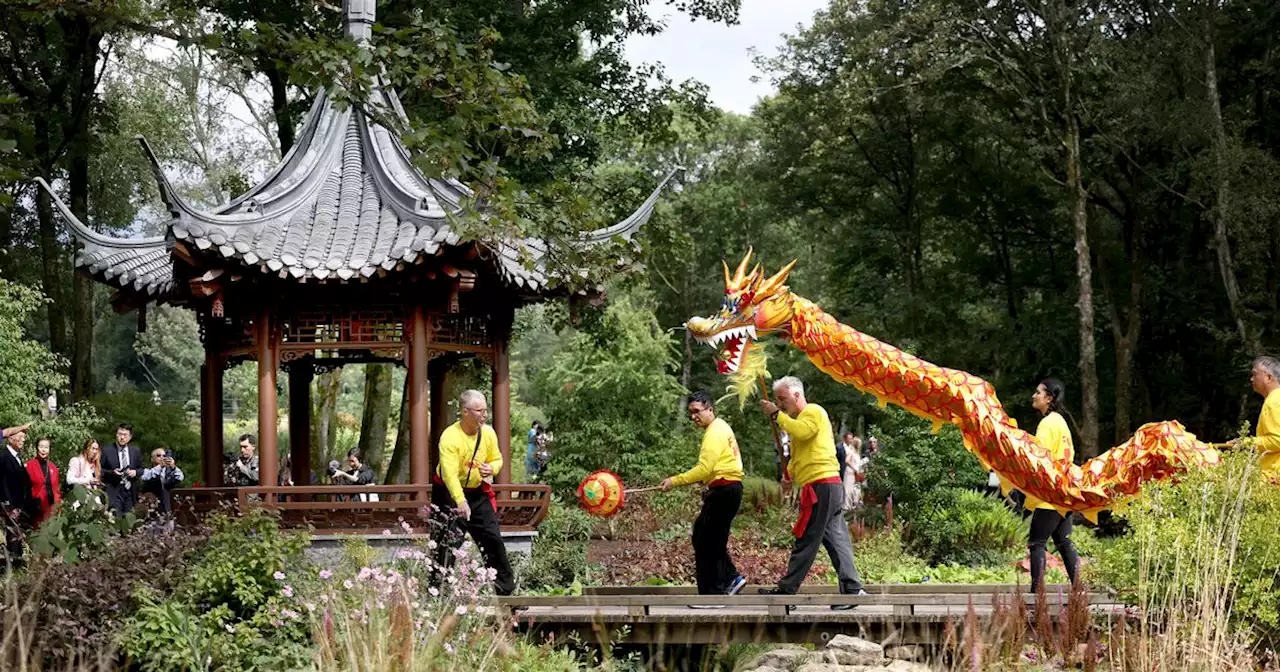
(226, 613)
(164, 425)
(913, 461)
(78, 610)
(759, 494)
(81, 526)
(952, 525)
(1207, 544)
(28, 370)
(611, 397)
(559, 556)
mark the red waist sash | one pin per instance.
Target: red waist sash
(808, 498)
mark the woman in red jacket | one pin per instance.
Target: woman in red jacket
(45, 486)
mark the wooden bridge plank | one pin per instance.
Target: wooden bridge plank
(777, 600)
(889, 588)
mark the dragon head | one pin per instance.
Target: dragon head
(753, 306)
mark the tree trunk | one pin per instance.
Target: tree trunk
(377, 413)
(84, 92)
(1088, 362)
(279, 82)
(1125, 332)
(1222, 204)
(398, 466)
(324, 421)
(50, 256)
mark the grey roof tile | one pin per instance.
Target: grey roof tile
(346, 201)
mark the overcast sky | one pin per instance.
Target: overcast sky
(717, 55)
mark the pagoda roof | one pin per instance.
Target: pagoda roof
(345, 203)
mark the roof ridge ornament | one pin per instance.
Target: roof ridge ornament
(360, 16)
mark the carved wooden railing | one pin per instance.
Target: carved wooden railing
(337, 509)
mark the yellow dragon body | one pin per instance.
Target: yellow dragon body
(755, 305)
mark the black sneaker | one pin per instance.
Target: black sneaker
(847, 607)
(773, 591)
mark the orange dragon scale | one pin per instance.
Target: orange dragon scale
(755, 306)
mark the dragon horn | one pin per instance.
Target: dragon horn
(741, 273)
(775, 282)
(755, 276)
(728, 282)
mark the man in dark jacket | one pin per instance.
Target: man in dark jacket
(121, 463)
(16, 503)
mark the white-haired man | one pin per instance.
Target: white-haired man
(468, 455)
(1265, 378)
(814, 468)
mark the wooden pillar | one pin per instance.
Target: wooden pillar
(211, 419)
(301, 373)
(502, 391)
(439, 404)
(419, 429)
(268, 408)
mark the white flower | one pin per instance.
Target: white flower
(75, 506)
(278, 576)
(287, 591)
(460, 610)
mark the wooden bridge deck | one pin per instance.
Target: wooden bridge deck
(890, 614)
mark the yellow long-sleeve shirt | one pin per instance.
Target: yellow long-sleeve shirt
(718, 460)
(813, 445)
(1269, 433)
(1053, 434)
(456, 468)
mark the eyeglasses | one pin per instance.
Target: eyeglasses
(695, 412)
(477, 411)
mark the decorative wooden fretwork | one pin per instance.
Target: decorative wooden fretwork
(324, 325)
(465, 330)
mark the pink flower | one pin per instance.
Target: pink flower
(348, 584)
(287, 591)
(460, 610)
(278, 576)
(434, 591)
(325, 574)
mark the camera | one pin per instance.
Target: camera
(333, 468)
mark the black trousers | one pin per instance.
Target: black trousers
(1047, 523)
(711, 538)
(483, 528)
(121, 499)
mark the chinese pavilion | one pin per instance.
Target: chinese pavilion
(342, 254)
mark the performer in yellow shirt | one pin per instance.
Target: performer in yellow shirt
(815, 470)
(1053, 434)
(1265, 378)
(719, 467)
(468, 455)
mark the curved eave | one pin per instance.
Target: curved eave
(137, 265)
(636, 220)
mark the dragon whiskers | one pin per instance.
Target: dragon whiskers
(754, 369)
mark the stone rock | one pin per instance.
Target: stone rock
(826, 667)
(782, 658)
(906, 666)
(846, 650)
(765, 668)
(905, 652)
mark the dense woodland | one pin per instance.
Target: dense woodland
(1081, 189)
